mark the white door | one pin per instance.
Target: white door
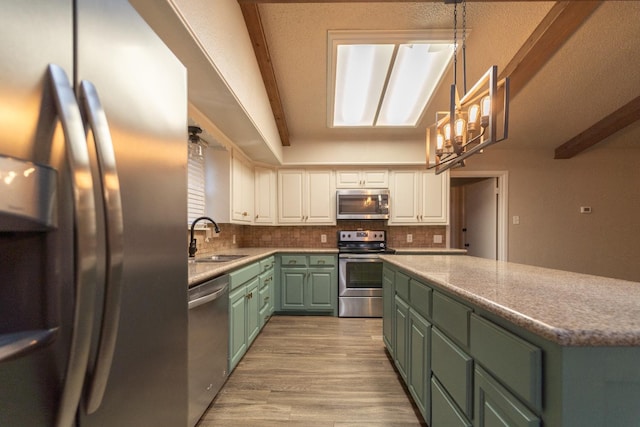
(481, 215)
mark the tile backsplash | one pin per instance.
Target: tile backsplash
(311, 236)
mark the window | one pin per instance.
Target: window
(383, 78)
(195, 182)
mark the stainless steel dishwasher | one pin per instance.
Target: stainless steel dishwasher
(208, 343)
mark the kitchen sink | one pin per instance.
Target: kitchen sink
(217, 258)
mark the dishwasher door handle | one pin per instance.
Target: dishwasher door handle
(208, 298)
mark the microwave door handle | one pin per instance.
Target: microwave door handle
(85, 269)
(112, 202)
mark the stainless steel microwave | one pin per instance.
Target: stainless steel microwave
(362, 204)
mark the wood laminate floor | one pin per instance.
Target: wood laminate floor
(314, 371)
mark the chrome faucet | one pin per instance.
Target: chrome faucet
(192, 243)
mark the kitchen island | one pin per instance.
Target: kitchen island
(511, 342)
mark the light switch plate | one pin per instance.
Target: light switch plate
(437, 238)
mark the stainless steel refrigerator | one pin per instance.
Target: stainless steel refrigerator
(93, 218)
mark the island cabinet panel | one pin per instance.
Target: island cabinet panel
(388, 294)
(402, 286)
(419, 373)
(444, 412)
(496, 407)
(454, 370)
(452, 317)
(401, 339)
(512, 360)
(420, 298)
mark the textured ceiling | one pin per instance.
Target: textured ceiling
(596, 72)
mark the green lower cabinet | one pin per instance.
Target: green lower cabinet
(496, 407)
(308, 283)
(420, 363)
(244, 321)
(401, 337)
(238, 326)
(253, 299)
(444, 412)
(292, 288)
(266, 296)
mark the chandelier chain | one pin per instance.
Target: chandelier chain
(455, 43)
(464, 45)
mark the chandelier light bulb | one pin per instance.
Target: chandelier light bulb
(459, 130)
(474, 115)
(447, 133)
(439, 142)
(486, 110)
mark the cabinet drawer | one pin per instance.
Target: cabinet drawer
(494, 404)
(322, 260)
(454, 369)
(443, 411)
(509, 358)
(420, 298)
(293, 261)
(402, 286)
(452, 317)
(242, 275)
(266, 264)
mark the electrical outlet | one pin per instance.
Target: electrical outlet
(437, 238)
(409, 238)
(234, 239)
(516, 220)
(323, 238)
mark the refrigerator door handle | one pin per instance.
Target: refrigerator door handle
(97, 120)
(18, 344)
(85, 265)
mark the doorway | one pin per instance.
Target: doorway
(479, 213)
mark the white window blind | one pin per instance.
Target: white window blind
(195, 182)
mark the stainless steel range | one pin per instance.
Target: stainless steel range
(360, 272)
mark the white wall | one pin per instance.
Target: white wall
(547, 195)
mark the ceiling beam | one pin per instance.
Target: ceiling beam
(621, 118)
(564, 18)
(372, 1)
(253, 21)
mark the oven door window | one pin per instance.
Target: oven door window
(363, 275)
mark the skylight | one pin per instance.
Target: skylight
(384, 79)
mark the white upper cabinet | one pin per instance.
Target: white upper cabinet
(242, 194)
(265, 196)
(362, 178)
(306, 197)
(419, 197)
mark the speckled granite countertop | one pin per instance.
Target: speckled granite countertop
(429, 251)
(199, 272)
(570, 309)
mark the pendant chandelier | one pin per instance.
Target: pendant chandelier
(471, 123)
